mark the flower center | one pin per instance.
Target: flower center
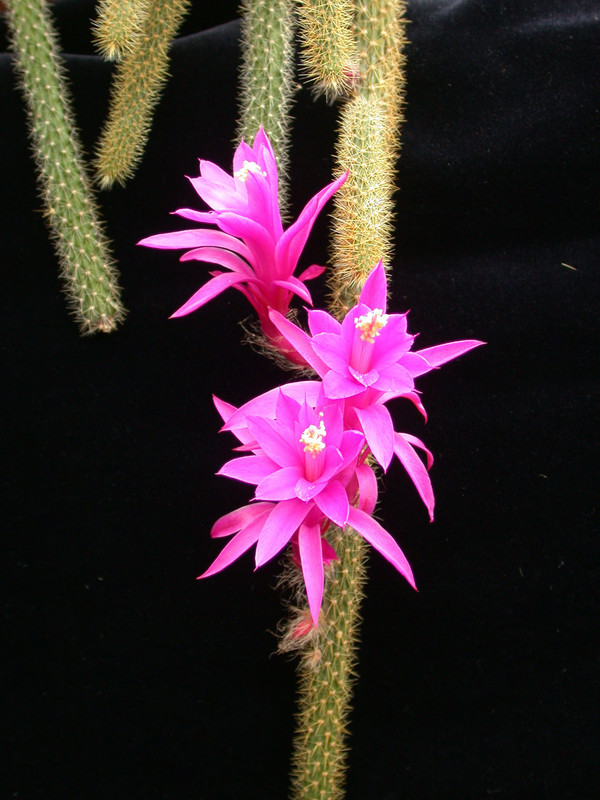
(371, 324)
(246, 168)
(312, 439)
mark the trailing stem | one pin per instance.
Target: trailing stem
(267, 79)
(88, 271)
(137, 88)
(119, 27)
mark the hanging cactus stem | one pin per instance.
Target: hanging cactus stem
(88, 271)
(119, 27)
(139, 81)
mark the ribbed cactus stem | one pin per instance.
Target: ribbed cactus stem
(267, 78)
(88, 271)
(119, 26)
(327, 672)
(138, 84)
(329, 52)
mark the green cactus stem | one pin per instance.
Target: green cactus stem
(329, 52)
(138, 84)
(88, 271)
(267, 78)
(119, 26)
(326, 675)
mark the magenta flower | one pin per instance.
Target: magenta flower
(259, 257)
(308, 469)
(367, 360)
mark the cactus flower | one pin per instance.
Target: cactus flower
(259, 257)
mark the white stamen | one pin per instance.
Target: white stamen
(371, 324)
(246, 168)
(312, 438)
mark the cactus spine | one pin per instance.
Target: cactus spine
(267, 78)
(119, 27)
(329, 52)
(140, 78)
(88, 271)
(369, 145)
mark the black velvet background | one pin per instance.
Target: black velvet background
(128, 678)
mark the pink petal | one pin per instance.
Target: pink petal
(336, 386)
(274, 440)
(441, 353)
(211, 289)
(381, 540)
(237, 546)
(280, 485)
(367, 488)
(416, 470)
(374, 292)
(367, 379)
(296, 286)
(255, 236)
(225, 258)
(330, 349)
(293, 240)
(279, 528)
(333, 502)
(394, 378)
(238, 519)
(322, 322)
(378, 428)
(204, 217)
(314, 271)
(311, 558)
(177, 239)
(299, 340)
(418, 443)
(265, 404)
(249, 469)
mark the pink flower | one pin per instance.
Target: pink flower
(308, 469)
(367, 360)
(258, 255)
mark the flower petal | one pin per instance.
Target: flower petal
(367, 488)
(299, 340)
(248, 469)
(311, 558)
(279, 528)
(374, 292)
(441, 353)
(237, 546)
(314, 271)
(321, 322)
(336, 386)
(274, 440)
(279, 485)
(210, 289)
(204, 217)
(333, 502)
(217, 255)
(382, 541)
(416, 470)
(238, 519)
(296, 286)
(378, 428)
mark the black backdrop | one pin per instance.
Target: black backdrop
(128, 678)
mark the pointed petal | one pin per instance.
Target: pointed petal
(280, 485)
(314, 271)
(367, 488)
(321, 322)
(382, 541)
(237, 546)
(274, 440)
(311, 558)
(238, 519)
(279, 528)
(416, 470)
(210, 289)
(441, 353)
(248, 469)
(333, 502)
(374, 292)
(299, 340)
(378, 428)
(225, 258)
(294, 238)
(204, 217)
(336, 386)
(418, 443)
(296, 286)
(394, 378)
(330, 349)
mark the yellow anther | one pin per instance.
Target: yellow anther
(246, 168)
(312, 438)
(371, 324)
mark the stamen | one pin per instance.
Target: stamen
(312, 439)
(247, 167)
(371, 324)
